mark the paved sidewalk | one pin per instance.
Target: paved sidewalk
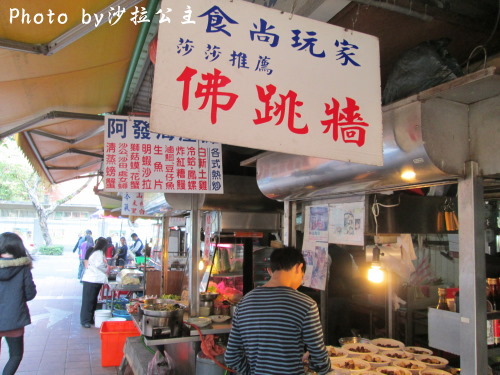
(55, 342)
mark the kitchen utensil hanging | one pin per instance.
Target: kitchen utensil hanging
(447, 219)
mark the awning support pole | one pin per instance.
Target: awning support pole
(141, 39)
(194, 257)
(472, 273)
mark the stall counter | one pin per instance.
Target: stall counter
(186, 347)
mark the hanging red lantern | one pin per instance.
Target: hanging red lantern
(152, 49)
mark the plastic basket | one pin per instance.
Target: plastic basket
(113, 336)
(121, 314)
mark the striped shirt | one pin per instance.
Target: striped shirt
(271, 328)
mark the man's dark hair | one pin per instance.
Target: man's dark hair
(88, 232)
(134, 235)
(285, 258)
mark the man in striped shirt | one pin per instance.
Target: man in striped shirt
(274, 324)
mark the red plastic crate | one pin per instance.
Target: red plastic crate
(113, 336)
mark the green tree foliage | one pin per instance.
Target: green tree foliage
(20, 182)
(15, 169)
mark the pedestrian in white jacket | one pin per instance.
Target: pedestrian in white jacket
(93, 279)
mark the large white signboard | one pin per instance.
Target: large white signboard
(136, 160)
(243, 74)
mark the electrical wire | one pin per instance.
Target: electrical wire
(483, 46)
(376, 210)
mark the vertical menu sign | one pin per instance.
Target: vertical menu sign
(133, 204)
(247, 75)
(137, 160)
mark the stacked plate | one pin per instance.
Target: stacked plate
(384, 356)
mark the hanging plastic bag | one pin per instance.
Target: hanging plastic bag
(419, 68)
(161, 364)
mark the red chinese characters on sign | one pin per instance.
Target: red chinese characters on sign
(209, 91)
(144, 161)
(348, 120)
(287, 105)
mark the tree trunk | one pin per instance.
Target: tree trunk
(42, 212)
(44, 226)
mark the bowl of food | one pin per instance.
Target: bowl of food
(398, 354)
(219, 318)
(376, 360)
(164, 310)
(358, 349)
(434, 371)
(349, 365)
(392, 370)
(414, 366)
(387, 344)
(334, 352)
(200, 321)
(352, 340)
(417, 350)
(432, 361)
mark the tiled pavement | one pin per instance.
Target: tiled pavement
(55, 342)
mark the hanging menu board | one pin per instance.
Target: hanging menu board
(137, 160)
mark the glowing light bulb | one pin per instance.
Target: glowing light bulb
(201, 265)
(408, 175)
(375, 274)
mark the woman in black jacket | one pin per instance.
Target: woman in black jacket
(16, 288)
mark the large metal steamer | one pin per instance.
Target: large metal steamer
(162, 318)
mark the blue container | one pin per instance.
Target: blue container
(121, 314)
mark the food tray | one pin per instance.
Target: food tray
(358, 349)
(432, 361)
(387, 344)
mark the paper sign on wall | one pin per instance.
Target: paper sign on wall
(133, 204)
(243, 74)
(316, 258)
(347, 223)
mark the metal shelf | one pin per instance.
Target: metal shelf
(213, 329)
(493, 315)
(227, 275)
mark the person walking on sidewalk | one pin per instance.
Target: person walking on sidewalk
(96, 274)
(82, 245)
(16, 288)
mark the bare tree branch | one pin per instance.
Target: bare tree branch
(57, 203)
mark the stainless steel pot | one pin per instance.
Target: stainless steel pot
(207, 296)
(162, 323)
(353, 340)
(179, 312)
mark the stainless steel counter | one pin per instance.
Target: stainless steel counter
(184, 347)
(213, 329)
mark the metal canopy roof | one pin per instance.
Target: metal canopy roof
(58, 79)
